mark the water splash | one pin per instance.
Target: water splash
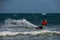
(21, 22)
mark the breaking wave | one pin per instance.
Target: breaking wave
(42, 32)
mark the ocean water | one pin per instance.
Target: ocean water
(21, 26)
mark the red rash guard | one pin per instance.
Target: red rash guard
(44, 22)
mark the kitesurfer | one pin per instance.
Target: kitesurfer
(44, 23)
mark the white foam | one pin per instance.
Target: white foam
(42, 32)
(21, 22)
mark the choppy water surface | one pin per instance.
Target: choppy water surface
(22, 27)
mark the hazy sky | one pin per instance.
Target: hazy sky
(29, 6)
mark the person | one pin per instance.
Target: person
(44, 23)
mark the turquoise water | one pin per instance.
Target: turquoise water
(19, 23)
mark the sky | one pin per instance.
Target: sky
(29, 6)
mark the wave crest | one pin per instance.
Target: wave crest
(42, 32)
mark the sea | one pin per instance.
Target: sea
(22, 26)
